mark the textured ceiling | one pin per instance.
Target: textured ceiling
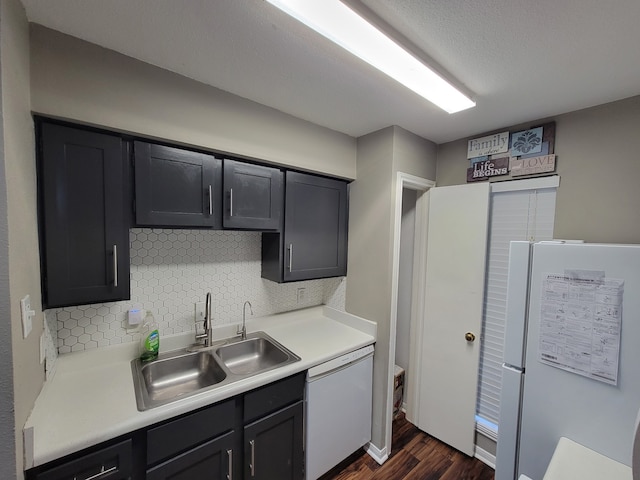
(522, 59)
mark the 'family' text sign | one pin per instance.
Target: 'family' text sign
(489, 145)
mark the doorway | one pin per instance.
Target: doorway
(405, 294)
(409, 257)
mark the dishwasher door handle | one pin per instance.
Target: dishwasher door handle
(316, 373)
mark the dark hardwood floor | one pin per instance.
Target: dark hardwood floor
(414, 456)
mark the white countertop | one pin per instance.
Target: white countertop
(91, 399)
(573, 461)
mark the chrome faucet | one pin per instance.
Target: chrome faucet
(243, 331)
(208, 334)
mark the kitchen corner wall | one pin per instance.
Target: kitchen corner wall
(21, 374)
(381, 155)
(597, 200)
(171, 270)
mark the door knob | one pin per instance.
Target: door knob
(469, 337)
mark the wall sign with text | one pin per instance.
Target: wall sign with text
(526, 152)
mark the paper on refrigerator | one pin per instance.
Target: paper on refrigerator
(580, 322)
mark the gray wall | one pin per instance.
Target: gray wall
(20, 178)
(597, 160)
(78, 80)
(371, 219)
(7, 419)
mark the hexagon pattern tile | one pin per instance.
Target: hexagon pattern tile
(171, 270)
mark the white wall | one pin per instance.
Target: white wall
(20, 178)
(77, 80)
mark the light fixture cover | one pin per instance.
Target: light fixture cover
(337, 22)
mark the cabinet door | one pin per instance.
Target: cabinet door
(84, 202)
(175, 187)
(315, 238)
(252, 196)
(273, 446)
(110, 463)
(212, 460)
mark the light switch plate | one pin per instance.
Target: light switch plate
(27, 316)
(43, 352)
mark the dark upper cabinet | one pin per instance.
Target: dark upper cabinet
(253, 196)
(176, 187)
(84, 221)
(314, 241)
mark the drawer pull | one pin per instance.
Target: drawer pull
(230, 470)
(231, 202)
(210, 201)
(252, 465)
(101, 473)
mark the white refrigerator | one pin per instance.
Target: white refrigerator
(572, 353)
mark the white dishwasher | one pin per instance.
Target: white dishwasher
(338, 416)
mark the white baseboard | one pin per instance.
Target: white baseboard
(485, 457)
(374, 452)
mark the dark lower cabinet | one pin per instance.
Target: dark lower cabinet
(273, 446)
(314, 242)
(84, 221)
(213, 460)
(114, 462)
(255, 435)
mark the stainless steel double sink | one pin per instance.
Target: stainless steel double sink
(183, 373)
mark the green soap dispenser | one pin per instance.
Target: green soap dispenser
(150, 340)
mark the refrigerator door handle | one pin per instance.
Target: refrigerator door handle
(513, 368)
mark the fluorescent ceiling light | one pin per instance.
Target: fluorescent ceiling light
(341, 25)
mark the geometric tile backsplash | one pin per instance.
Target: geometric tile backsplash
(171, 270)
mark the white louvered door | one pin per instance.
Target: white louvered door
(520, 210)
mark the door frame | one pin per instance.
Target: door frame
(421, 185)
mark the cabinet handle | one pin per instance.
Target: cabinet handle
(210, 201)
(252, 465)
(101, 473)
(230, 469)
(231, 202)
(290, 256)
(115, 265)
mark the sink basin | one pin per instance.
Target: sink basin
(180, 374)
(255, 354)
(175, 376)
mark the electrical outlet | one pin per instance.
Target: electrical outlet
(200, 311)
(301, 294)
